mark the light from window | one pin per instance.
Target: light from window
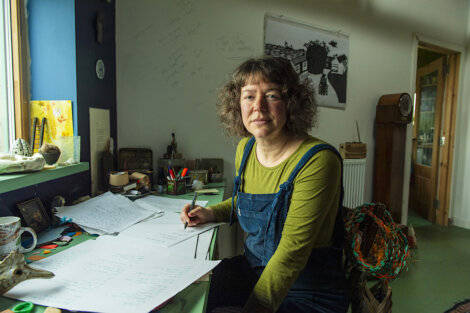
(7, 124)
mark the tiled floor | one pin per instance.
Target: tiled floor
(438, 273)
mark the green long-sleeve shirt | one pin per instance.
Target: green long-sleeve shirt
(310, 220)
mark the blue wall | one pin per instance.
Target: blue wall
(53, 51)
(64, 51)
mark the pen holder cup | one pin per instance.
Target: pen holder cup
(176, 187)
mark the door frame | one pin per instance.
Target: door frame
(444, 192)
(428, 173)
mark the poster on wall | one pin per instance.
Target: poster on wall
(319, 56)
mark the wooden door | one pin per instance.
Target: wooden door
(426, 138)
(446, 144)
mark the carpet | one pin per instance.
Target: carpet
(461, 307)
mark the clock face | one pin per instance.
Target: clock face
(100, 70)
(405, 104)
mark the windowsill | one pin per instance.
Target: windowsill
(9, 182)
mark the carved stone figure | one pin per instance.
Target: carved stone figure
(14, 270)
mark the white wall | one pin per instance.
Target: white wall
(173, 55)
(460, 209)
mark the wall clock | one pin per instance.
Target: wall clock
(100, 69)
(393, 113)
(405, 104)
(394, 108)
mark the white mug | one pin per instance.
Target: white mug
(10, 236)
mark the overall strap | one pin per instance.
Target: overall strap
(285, 192)
(338, 234)
(285, 189)
(311, 152)
(237, 180)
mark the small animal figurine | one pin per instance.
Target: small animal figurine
(14, 270)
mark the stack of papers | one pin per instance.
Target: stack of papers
(109, 275)
(105, 214)
(148, 261)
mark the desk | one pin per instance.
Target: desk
(191, 299)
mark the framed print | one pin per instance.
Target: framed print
(34, 214)
(318, 55)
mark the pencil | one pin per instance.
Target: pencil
(191, 207)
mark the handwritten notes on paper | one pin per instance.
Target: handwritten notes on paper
(113, 280)
(167, 235)
(110, 213)
(167, 230)
(105, 214)
(167, 205)
(135, 271)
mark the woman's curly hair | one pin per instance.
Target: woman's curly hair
(298, 95)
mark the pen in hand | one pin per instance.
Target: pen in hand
(191, 207)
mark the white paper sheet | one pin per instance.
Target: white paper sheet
(158, 231)
(110, 213)
(196, 247)
(167, 205)
(109, 275)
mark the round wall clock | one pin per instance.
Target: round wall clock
(395, 108)
(100, 69)
(405, 104)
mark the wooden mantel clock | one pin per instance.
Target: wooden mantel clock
(393, 113)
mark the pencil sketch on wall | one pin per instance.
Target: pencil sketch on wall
(318, 55)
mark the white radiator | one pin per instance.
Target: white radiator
(353, 182)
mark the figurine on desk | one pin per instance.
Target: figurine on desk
(172, 149)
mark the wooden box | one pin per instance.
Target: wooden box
(353, 150)
(136, 159)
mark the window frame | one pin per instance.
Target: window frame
(20, 58)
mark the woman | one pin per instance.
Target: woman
(287, 196)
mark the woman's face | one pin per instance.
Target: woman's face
(263, 111)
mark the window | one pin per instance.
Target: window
(14, 73)
(6, 79)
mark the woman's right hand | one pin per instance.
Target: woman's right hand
(198, 215)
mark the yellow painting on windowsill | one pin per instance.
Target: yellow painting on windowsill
(58, 124)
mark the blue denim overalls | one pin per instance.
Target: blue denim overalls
(321, 285)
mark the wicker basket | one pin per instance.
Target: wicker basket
(377, 299)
